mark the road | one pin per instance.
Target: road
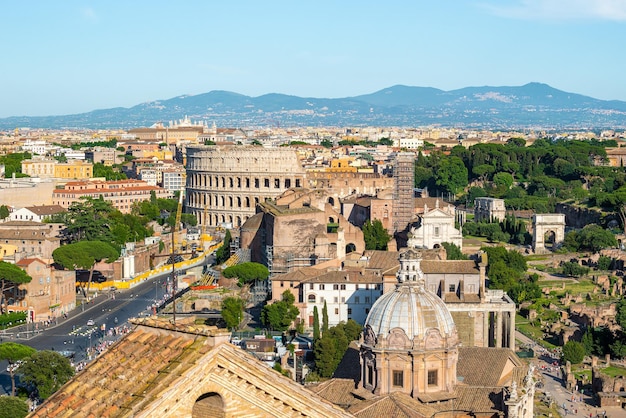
(73, 333)
(552, 381)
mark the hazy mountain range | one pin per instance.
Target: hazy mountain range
(531, 106)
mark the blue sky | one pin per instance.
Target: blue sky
(70, 56)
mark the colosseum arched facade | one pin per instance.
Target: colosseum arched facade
(231, 179)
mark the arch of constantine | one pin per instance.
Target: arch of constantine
(229, 180)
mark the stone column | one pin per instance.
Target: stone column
(499, 329)
(512, 330)
(486, 329)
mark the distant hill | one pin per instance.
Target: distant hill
(531, 106)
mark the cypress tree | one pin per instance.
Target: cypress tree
(324, 319)
(316, 324)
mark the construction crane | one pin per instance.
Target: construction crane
(179, 213)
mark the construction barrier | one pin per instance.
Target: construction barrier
(166, 268)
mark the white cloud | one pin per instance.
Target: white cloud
(561, 9)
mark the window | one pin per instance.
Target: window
(311, 298)
(432, 378)
(367, 299)
(311, 286)
(336, 311)
(398, 378)
(343, 299)
(343, 287)
(335, 287)
(436, 231)
(335, 299)
(321, 287)
(370, 374)
(282, 284)
(451, 288)
(357, 299)
(349, 311)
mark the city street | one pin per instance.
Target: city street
(77, 334)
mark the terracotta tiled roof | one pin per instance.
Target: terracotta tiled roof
(164, 370)
(471, 366)
(299, 275)
(449, 266)
(479, 399)
(27, 261)
(345, 276)
(382, 260)
(46, 209)
(337, 391)
(397, 405)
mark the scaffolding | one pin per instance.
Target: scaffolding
(403, 201)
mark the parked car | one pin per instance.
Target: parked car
(91, 323)
(83, 276)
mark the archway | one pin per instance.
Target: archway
(331, 201)
(350, 248)
(544, 223)
(209, 405)
(549, 239)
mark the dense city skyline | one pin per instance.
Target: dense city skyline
(77, 57)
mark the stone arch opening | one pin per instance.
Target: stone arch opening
(209, 405)
(549, 239)
(331, 201)
(350, 248)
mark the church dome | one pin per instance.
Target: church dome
(410, 307)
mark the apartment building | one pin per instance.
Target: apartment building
(122, 194)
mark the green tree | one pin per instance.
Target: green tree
(12, 407)
(89, 220)
(604, 262)
(279, 315)
(620, 313)
(574, 352)
(375, 235)
(324, 319)
(4, 212)
(325, 350)
(453, 252)
(587, 341)
(11, 276)
(595, 238)
(84, 255)
(572, 269)
(14, 353)
(223, 253)
(47, 371)
(452, 175)
(316, 324)
(232, 312)
(108, 172)
(352, 329)
(247, 272)
(326, 143)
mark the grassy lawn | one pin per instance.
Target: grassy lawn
(574, 287)
(537, 257)
(613, 371)
(534, 332)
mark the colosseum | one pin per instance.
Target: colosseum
(229, 180)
